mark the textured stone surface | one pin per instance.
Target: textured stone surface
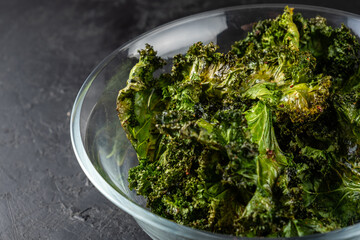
(47, 48)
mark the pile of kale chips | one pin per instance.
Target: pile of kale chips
(261, 141)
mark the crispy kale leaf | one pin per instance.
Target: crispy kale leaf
(269, 33)
(140, 101)
(306, 101)
(336, 49)
(347, 107)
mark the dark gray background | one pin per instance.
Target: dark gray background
(47, 49)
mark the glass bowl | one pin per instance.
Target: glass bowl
(99, 142)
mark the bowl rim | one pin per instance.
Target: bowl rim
(136, 211)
